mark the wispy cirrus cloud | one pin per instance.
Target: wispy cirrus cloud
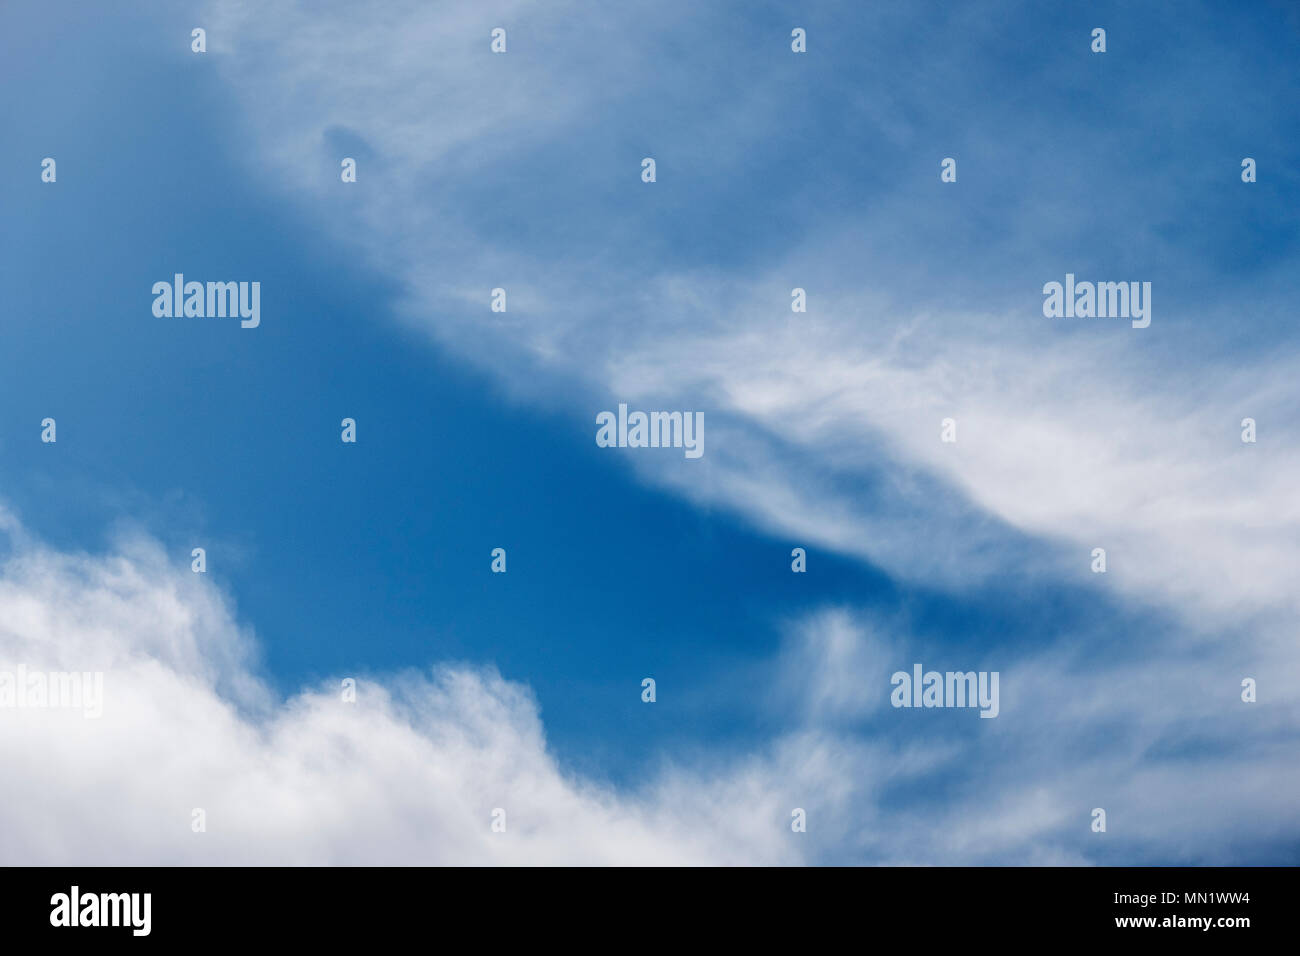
(823, 426)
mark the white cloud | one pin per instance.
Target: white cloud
(411, 773)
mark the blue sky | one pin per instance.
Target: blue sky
(775, 170)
